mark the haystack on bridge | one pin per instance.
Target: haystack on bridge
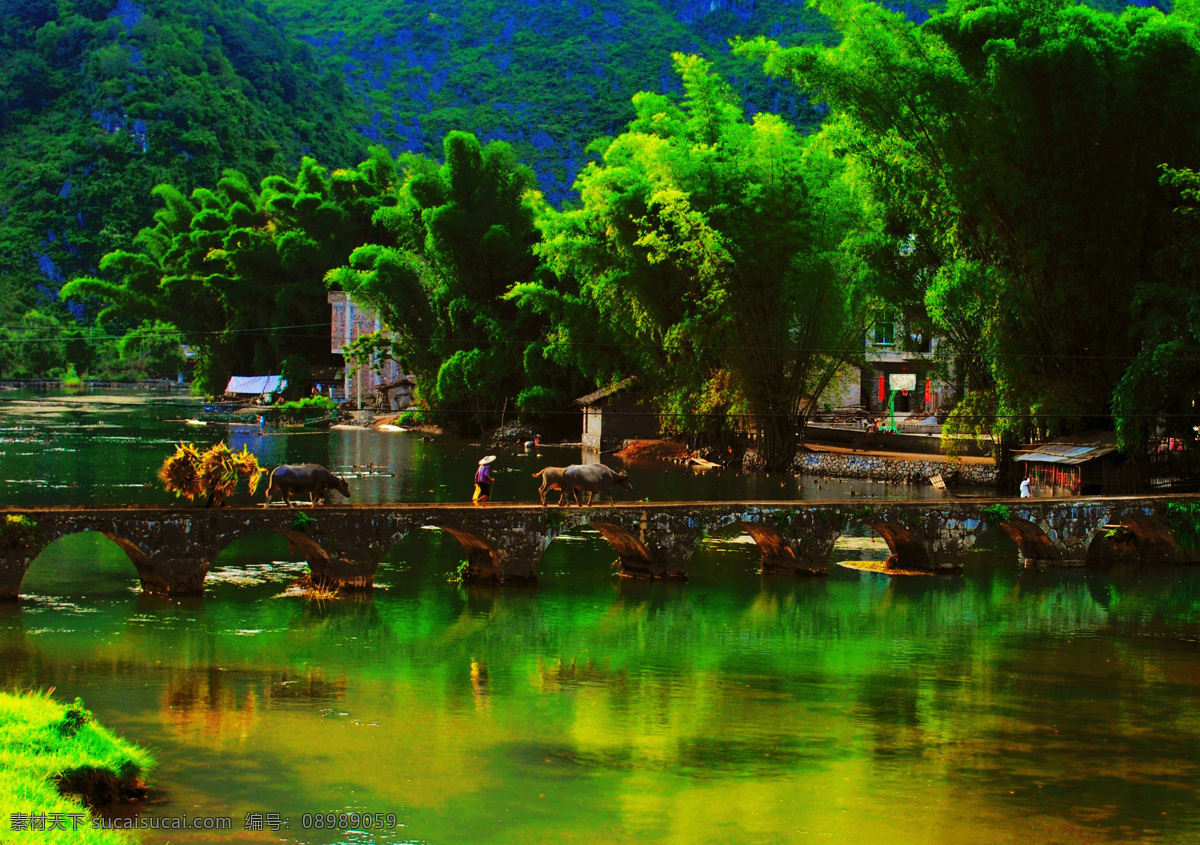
(172, 547)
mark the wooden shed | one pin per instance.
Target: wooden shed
(1070, 466)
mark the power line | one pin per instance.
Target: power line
(469, 342)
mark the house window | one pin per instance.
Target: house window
(885, 329)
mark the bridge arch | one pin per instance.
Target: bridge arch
(809, 552)
(1135, 537)
(157, 575)
(55, 564)
(488, 564)
(1064, 541)
(1034, 544)
(907, 551)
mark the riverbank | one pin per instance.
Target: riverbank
(52, 385)
(841, 462)
(48, 749)
(835, 462)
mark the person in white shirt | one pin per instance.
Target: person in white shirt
(1026, 488)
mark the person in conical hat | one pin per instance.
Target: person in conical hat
(483, 480)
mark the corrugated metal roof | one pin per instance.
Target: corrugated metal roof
(1071, 450)
(593, 398)
(255, 385)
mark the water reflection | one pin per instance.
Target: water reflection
(991, 706)
(105, 449)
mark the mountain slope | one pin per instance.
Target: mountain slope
(549, 77)
(100, 102)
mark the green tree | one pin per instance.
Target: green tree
(459, 237)
(1160, 390)
(239, 270)
(38, 349)
(707, 245)
(1011, 147)
(153, 350)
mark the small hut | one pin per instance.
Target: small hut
(1070, 466)
(613, 415)
(255, 388)
(397, 395)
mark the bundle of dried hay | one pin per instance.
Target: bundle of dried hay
(220, 470)
(180, 473)
(246, 463)
(213, 473)
(218, 473)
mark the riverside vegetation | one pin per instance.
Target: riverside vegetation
(729, 257)
(48, 749)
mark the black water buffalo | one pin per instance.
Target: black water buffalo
(592, 479)
(312, 479)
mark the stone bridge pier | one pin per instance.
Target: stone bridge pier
(505, 546)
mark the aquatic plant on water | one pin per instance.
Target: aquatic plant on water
(71, 379)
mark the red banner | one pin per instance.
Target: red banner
(882, 390)
(928, 391)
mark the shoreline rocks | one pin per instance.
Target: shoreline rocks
(879, 468)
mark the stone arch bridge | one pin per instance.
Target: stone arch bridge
(172, 547)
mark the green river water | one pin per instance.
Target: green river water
(999, 705)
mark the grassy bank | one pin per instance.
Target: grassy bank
(46, 746)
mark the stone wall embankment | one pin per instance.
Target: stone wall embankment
(880, 468)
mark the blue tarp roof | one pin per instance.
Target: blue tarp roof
(255, 385)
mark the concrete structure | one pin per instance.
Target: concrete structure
(886, 356)
(172, 547)
(1070, 466)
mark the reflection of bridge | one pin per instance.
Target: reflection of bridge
(172, 547)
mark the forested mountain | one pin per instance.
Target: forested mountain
(547, 76)
(100, 100)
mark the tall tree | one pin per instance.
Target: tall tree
(1161, 389)
(458, 237)
(240, 270)
(708, 244)
(1015, 144)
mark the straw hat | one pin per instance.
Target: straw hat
(487, 459)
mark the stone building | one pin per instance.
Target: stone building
(613, 415)
(349, 322)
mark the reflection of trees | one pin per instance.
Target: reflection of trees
(203, 707)
(305, 688)
(706, 699)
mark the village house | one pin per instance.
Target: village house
(362, 385)
(613, 415)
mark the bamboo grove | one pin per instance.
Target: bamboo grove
(1016, 177)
